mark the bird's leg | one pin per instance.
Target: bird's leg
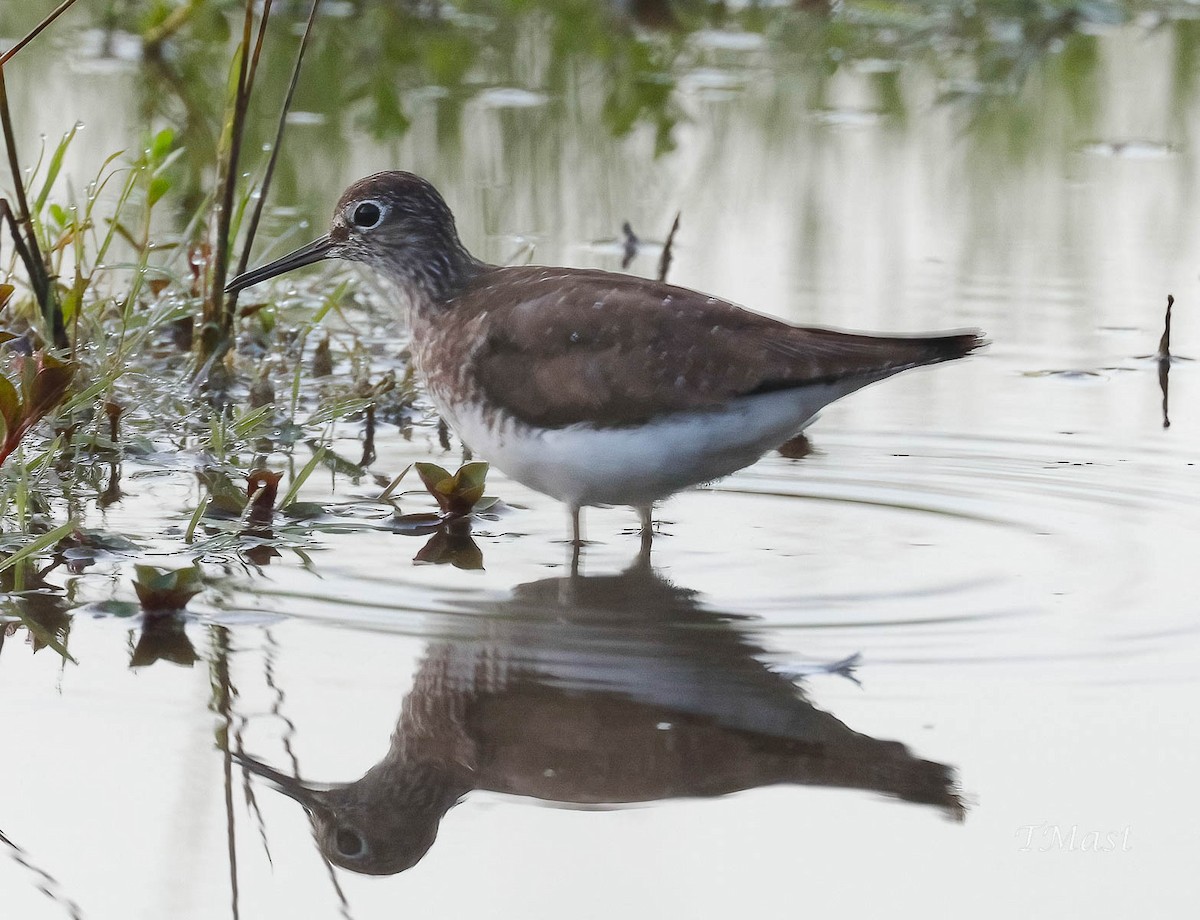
(576, 538)
(645, 512)
(576, 525)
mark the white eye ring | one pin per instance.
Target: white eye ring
(366, 215)
(349, 842)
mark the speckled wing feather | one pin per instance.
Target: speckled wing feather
(565, 345)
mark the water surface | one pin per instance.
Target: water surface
(941, 665)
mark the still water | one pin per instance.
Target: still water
(943, 665)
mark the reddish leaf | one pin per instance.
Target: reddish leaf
(433, 476)
(456, 493)
(113, 410)
(161, 589)
(262, 487)
(49, 386)
(10, 405)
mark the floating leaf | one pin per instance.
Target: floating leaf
(419, 524)
(102, 540)
(261, 554)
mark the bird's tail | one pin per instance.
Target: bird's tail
(934, 349)
(887, 355)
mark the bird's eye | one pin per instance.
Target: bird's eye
(366, 215)
(349, 842)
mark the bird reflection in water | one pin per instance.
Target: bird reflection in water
(595, 691)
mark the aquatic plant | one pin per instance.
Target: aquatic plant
(42, 383)
(161, 589)
(457, 493)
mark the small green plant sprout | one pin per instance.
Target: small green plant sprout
(163, 590)
(458, 494)
(42, 384)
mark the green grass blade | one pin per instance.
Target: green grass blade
(302, 477)
(55, 167)
(190, 534)
(45, 541)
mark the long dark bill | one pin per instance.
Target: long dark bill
(315, 251)
(310, 795)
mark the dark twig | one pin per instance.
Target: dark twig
(7, 216)
(256, 214)
(288, 735)
(223, 693)
(1164, 361)
(247, 786)
(258, 43)
(368, 454)
(1164, 375)
(664, 262)
(343, 904)
(36, 31)
(1164, 344)
(35, 265)
(153, 38)
(30, 252)
(215, 315)
(47, 883)
(631, 245)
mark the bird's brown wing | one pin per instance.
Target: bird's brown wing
(565, 345)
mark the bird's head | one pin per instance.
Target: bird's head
(395, 222)
(381, 824)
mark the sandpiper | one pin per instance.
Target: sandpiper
(593, 387)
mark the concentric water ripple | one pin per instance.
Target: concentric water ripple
(948, 551)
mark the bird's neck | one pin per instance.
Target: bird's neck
(433, 274)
